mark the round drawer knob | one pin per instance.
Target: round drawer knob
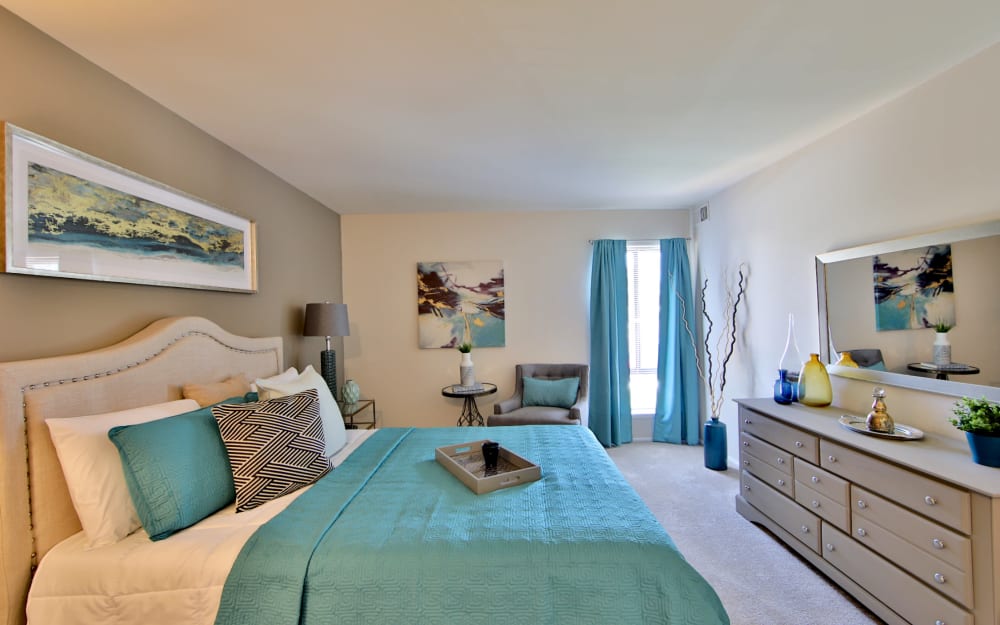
(781, 482)
(747, 421)
(862, 532)
(930, 501)
(829, 547)
(747, 487)
(862, 504)
(746, 444)
(815, 504)
(805, 529)
(746, 463)
(781, 461)
(938, 543)
(831, 458)
(798, 443)
(939, 578)
(815, 480)
(940, 622)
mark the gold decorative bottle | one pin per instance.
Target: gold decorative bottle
(878, 419)
(814, 383)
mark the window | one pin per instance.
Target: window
(643, 268)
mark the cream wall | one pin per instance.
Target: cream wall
(48, 89)
(546, 259)
(926, 161)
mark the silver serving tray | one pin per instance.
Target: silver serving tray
(902, 432)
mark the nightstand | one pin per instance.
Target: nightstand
(350, 411)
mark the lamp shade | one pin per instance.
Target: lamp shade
(326, 319)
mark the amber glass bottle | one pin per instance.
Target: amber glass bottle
(814, 383)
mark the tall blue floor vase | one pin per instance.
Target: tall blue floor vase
(715, 445)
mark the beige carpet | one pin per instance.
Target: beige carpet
(760, 581)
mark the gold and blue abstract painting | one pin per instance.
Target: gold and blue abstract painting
(68, 214)
(914, 288)
(460, 302)
(65, 209)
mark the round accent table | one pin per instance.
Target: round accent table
(942, 372)
(470, 411)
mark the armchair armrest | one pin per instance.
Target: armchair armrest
(581, 410)
(508, 405)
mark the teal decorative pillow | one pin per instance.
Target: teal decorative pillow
(176, 469)
(541, 392)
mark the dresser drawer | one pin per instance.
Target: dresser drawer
(784, 436)
(828, 509)
(939, 575)
(785, 512)
(941, 543)
(931, 498)
(777, 458)
(822, 481)
(902, 593)
(768, 474)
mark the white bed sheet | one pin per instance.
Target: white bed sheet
(174, 581)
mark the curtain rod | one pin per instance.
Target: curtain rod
(591, 241)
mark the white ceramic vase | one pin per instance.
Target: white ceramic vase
(467, 371)
(942, 349)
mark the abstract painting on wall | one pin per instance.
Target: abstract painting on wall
(71, 215)
(460, 302)
(914, 288)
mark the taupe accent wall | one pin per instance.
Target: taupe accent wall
(50, 90)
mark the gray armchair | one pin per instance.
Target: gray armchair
(513, 412)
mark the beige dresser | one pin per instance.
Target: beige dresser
(910, 528)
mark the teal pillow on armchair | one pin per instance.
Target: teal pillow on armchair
(541, 392)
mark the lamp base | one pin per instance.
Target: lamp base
(328, 367)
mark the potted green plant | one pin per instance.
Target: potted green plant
(942, 346)
(980, 420)
(466, 370)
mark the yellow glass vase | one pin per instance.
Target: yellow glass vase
(846, 360)
(814, 383)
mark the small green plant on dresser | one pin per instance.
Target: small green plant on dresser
(979, 416)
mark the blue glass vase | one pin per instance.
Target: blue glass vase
(715, 445)
(783, 393)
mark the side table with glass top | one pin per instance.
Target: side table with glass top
(941, 372)
(470, 411)
(355, 409)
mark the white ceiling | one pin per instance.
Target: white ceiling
(427, 105)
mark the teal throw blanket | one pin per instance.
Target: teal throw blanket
(391, 537)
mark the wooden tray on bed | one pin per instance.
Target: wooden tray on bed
(465, 461)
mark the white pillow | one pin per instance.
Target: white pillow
(287, 375)
(333, 424)
(93, 468)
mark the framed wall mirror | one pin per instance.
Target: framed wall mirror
(880, 302)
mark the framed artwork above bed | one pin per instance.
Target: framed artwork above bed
(71, 215)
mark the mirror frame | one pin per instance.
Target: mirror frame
(932, 385)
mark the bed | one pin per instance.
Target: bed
(388, 536)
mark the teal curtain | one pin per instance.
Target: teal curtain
(677, 399)
(610, 401)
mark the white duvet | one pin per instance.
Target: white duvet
(137, 581)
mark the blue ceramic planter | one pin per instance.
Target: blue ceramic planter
(985, 449)
(715, 445)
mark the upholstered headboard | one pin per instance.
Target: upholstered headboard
(147, 368)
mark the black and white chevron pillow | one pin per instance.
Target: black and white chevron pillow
(275, 447)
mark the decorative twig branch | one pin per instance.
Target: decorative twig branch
(725, 344)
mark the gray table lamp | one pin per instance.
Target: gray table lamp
(327, 320)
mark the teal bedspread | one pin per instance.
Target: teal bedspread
(391, 537)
